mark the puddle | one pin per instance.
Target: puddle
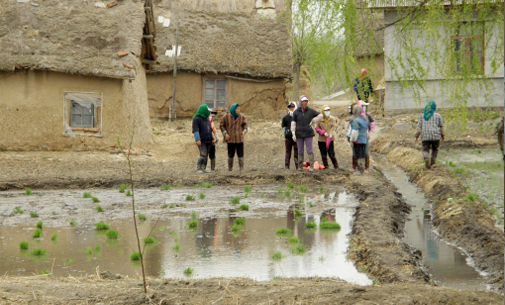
(448, 266)
(211, 249)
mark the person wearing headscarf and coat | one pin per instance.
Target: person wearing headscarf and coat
(371, 122)
(304, 118)
(234, 127)
(326, 129)
(431, 130)
(360, 123)
(289, 142)
(215, 139)
(202, 132)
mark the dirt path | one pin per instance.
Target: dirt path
(375, 244)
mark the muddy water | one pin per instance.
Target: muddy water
(447, 265)
(211, 249)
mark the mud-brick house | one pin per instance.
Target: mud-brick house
(472, 47)
(71, 73)
(236, 51)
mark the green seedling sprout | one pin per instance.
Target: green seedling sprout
(28, 192)
(86, 195)
(37, 233)
(329, 226)
(189, 197)
(207, 185)
(235, 200)
(201, 195)
(34, 214)
(239, 221)
(150, 240)
(99, 209)
(193, 223)
(142, 217)
(293, 240)
(188, 271)
(128, 193)
(165, 187)
(122, 188)
(290, 185)
(98, 248)
(135, 256)
(101, 226)
(17, 210)
(276, 255)
(88, 251)
(39, 252)
(95, 200)
(244, 207)
(39, 225)
(23, 245)
(54, 237)
(310, 225)
(298, 213)
(111, 234)
(282, 231)
(194, 215)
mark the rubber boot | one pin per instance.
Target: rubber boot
(325, 162)
(354, 163)
(427, 161)
(230, 164)
(199, 169)
(434, 155)
(367, 163)
(286, 161)
(213, 164)
(241, 163)
(311, 162)
(296, 161)
(204, 166)
(335, 162)
(300, 161)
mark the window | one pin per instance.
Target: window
(468, 46)
(82, 115)
(215, 93)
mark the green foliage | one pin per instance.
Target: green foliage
(239, 221)
(188, 271)
(39, 252)
(122, 188)
(189, 197)
(17, 210)
(298, 213)
(321, 190)
(34, 214)
(111, 234)
(460, 171)
(128, 193)
(95, 200)
(165, 187)
(329, 226)
(101, 226)
(247, 189)
(73, 223)
(290, 185)
(176, 248)
(471, 197)
(287, 193)
(299, 250)
(196, 185)
(99, 209)
(164, 206)
(23, 245)
(194, 215)
(310, 225)
(28, 192)
(201, 195)
(235, 200)
(54, 237)
(88, 251)
(44, 272)
(37, 233)
(277, 255)
(142, 217)
(68, 261)
(40, 224)
(244, 207)
(237, 228)
(135, 256)
(193, 223)
(86, 195)
(293, 240)
(282, 231)
(172, 233)
(207, 185)
(452, 164)
(149, 240)
(302, 189)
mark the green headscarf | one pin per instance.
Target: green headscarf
(429, 110)
(203, 111)
(232, 110)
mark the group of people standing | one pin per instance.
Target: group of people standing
(300, 126)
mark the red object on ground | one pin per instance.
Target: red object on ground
(316, 165)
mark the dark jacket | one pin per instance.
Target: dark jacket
(363, 87)
(202, 126)
(303, 119)
(286, 123)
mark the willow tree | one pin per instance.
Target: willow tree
(313, 26)
(457, 43)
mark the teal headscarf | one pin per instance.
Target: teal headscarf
(232, 110)
(202, 111)
(429, 110)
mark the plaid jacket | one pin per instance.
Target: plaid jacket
(430, 130)
(233, 127)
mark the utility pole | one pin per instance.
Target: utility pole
(172, 109)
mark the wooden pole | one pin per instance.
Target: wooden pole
(172, 109)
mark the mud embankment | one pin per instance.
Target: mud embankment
(466, 224)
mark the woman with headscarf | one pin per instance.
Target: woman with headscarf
(431, 129)
(326, 129)
(303, 118)
(202, 132)
(359, 124)
(234, 127)
(289, 142)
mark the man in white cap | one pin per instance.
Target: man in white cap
(289, 139)
(363, 86)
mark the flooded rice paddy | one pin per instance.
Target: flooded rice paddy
(215, 247)
(447, 264)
